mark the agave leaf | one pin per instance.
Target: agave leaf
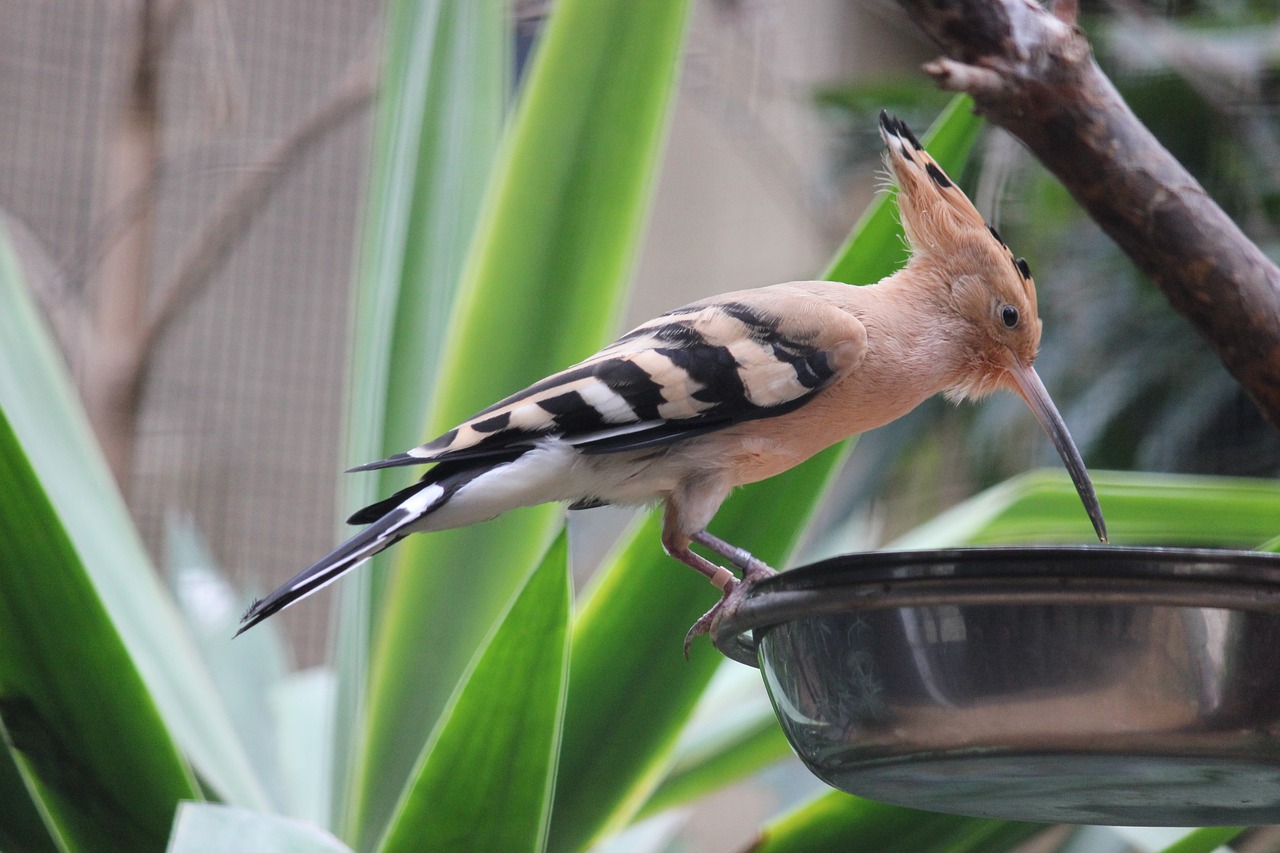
(209, 828)
(443, 93)
(51, 436)
(1141, 508)
(839, 821)
(1205, 840)
(630, 691)
(540, 289)
(82, 730)
(484, 779)
(302, 708)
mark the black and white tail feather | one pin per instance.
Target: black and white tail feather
(389, 520)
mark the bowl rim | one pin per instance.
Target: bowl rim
(999, 575)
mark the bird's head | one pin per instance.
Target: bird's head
(988, 292)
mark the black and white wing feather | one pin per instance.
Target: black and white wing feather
(693, 370)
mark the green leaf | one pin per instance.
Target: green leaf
(36, 396)
(208, 828)
(244, 671)
(838, 821)
(1141, 508)
(732, 733)
(444, 90)
(630, 691)
(1204, 840)
(439, 122)
(302, 707)
(541, 288)
(484, 780)
(21, 825)
(82, 729)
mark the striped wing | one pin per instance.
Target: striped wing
(697, 369)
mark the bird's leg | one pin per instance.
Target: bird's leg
(751, 566)
(676, 544)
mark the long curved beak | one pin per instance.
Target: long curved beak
(1032, 390)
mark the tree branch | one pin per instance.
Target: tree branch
(1033, 73)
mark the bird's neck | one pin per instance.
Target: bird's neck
(914, 342)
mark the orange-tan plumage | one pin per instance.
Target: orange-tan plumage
(738, 388)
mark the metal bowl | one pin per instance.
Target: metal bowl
(1080, 685)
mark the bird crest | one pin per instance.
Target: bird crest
(952, 245)
(937, 216)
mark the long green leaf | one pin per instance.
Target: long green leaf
(243, 672)
(444, 89)
(36, 396)
(837, 821)
(630, 690)
(484, 780)
(541, 289)
(84, 733)
(302, 706)
(209, 828)
(732, 733)
(21, 826)
(1204, 840)
(1141, 508)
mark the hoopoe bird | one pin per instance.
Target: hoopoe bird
(735, 389)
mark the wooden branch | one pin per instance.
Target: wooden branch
(1033, 73)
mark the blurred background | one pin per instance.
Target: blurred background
(240, 391)
(207, 160)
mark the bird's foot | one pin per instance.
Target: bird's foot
(753, 570)
(703, 624)
(752, 573)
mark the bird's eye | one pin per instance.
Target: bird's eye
(1009, 316)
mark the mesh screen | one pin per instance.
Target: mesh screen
(242, 409)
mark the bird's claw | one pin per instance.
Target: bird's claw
(703, 624)
(755, 572)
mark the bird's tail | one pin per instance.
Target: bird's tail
(414, 502)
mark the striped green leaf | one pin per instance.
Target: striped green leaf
(443, 92)
(1205, 840)
(51, 436)
(1141, 509)
(210, 828)
(838, 821)
(484, 780)
(631, 691)
(541, 288)
(85, 735)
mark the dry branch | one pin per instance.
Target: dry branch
(1033, 73)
